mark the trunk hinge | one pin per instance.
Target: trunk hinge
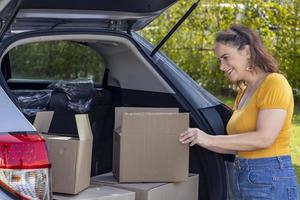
(5, 23)
(170, 33)
(116, 25)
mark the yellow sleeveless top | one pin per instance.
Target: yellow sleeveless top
(274, 92)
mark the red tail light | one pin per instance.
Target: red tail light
(24, 166)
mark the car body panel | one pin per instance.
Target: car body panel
(122, 15)
(8, 10)
(13, 120)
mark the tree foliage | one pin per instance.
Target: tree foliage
(56, 60)
(191, 47)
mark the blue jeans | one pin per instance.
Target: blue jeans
(264, 178)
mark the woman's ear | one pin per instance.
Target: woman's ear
(247, 51)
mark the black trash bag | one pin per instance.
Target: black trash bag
(32, 101)
(79, 93)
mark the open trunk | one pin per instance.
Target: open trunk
(128, 78)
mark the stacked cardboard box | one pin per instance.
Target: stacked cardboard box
(70, 157)
(187, 190)
(146, 146)
(146, 149)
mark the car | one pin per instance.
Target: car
(75, 56)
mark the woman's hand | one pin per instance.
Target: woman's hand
(195, 136)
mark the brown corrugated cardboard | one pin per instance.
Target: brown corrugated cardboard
(99, 193)
(154, 191)
(70, 157)
(42, 121)
(120, 110)
(146, 148)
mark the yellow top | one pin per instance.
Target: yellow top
(273, 92)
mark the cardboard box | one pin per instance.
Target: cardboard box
(120, 110)
(99, 193)
(146, 148)
(70, 157)
(154, 191)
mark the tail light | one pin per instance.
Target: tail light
(24, 166)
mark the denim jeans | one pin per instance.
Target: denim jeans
(232, 192)
(263, 178)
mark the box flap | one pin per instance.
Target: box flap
(42, 121)
(120, 110)
(83, 164)
(83, 127)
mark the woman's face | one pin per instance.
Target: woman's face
(233, 61)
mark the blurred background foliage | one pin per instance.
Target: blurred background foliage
(72, 61)
(191, 46)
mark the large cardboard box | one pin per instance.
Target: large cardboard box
(154, 191)
(99, 193)
(70, 157)
(146, 148)
(120, 110)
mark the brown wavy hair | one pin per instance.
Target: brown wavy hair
(239, 36)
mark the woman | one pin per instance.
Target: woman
(258, 131)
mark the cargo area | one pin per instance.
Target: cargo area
(99, 105)
(118, 88)
(85, 124)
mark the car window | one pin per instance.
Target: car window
(55, 60)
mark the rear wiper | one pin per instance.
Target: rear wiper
(170, 33)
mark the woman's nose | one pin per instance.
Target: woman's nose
(222, 66)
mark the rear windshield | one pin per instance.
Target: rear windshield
(56, 60)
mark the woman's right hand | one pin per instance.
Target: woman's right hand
(194, 136)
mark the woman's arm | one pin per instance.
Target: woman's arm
(269, 124)
(222, 151)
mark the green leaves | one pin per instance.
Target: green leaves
(56, 60)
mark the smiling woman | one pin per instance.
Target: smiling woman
(259, 129)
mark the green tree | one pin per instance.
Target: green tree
(56, 60)
(192, 45)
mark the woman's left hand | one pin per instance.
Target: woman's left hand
(195, 136)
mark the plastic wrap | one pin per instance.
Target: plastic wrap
(32, 101)
(78, 92)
